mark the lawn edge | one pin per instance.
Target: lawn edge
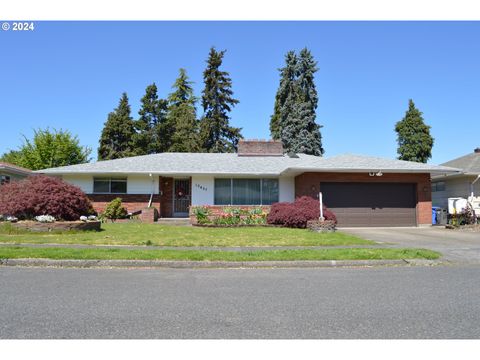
(187, 264)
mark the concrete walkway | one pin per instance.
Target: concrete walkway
(456, 246)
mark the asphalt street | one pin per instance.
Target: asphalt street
(381, 302)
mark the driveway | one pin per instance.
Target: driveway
(456, 246)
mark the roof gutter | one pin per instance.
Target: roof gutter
(385, 171)
(16, 171)
(164, 173)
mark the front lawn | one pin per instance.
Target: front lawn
(167, 235)
(201, 255)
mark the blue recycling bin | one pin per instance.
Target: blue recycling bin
(434, 214)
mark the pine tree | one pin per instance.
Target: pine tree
(216, 134)
(116, 140)
(153, 135)
(296, 102)
(286, 88)
(182, 117)
(413, 136)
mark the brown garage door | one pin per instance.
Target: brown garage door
(371, 204)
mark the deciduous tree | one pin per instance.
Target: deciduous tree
(48, 149)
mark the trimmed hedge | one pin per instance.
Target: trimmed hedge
(43, 195)
(297, 214)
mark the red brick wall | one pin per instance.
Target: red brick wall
(259, 147)
(149, 215)
(309, 184)
(132, 202)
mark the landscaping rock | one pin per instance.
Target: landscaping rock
(322, 225)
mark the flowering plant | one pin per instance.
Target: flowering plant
(45, 219)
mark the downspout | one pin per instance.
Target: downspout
(471, 185)
(153, 190)
(472, 194)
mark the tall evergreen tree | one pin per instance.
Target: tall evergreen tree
(216, 134)
(182, 117)
(116, 140)
(296, 101)
(413, 136)
(286, 89)
(153, 135)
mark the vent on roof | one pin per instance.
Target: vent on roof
(260, 148)
(477, 150)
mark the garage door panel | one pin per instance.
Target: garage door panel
(371, 204)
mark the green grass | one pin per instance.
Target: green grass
(165, 235)
(200, 255)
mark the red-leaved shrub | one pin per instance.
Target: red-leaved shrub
(297, 214)
(43, 195)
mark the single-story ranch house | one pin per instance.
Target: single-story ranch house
(361, 190)
(9, 172)
(461, 184)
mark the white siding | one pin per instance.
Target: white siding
(286, 189)
(84, 182)
(142, 184)
(136, 184)
(457, 187)
(202, 190)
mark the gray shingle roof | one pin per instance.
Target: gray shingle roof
(207, 163)
(349, 162)
(14, 168)
(469, 164)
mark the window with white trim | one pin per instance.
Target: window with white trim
(242, 191)
(107, 185)
(438, 186)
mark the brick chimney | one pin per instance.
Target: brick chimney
(477, 150)
(256, 147)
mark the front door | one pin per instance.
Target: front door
(181, 197)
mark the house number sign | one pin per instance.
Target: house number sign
(201, 187)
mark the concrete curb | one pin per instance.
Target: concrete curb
(212, 264)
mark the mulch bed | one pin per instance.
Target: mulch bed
(233, 225)
(470, 228)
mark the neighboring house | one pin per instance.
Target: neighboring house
(361, 190)
(460, 184)
(9, 172)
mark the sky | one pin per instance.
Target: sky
(70, 75)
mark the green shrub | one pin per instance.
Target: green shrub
(230, 215)
(201, 213)
(114, 210)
